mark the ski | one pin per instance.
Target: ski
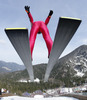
(20, 41)
(65, 30)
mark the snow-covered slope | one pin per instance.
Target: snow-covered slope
(77, 60)
(26, 98)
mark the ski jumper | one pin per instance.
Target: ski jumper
(37, 27)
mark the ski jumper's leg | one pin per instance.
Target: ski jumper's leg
(33, 33)
(46, 36)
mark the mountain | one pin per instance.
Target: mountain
(68, 71)
(10, 67)
(76, 60)
(71, 68)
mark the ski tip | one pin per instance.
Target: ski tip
(70, 18)
(15, 28)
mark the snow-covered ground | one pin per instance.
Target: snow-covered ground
(26, 98)
(79, 73)
(37, 80)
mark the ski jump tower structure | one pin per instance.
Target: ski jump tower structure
(20, 41)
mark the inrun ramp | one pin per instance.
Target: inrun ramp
(65, 31)
(20, 41)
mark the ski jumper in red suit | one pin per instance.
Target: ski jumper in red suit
(37, 27)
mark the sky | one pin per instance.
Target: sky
(13, 15)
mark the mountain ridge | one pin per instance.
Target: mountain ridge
(10, 67)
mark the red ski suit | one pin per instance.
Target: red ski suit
(40, 26)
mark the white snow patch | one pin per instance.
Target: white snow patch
(27, 98)
(38, 96)
(25, 81)
(70, 61)
(6, 68)
(77, 63)
(37, 80)
(79, 73)
(22, 80)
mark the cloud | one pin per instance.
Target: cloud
(84, 41)
(2, 41)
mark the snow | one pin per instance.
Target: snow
(37, 80)
(79, 73)
(27, 98)
(22, 81)
(38, 96)
(6, 68)
(25, 81)
(66, 90)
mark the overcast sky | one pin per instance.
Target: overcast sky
(12, 14)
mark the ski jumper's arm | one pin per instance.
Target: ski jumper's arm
(30, 17)
(27, 9)
(48, 18)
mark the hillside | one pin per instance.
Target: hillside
(69, 70)
(76, 61)
(10, 67)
